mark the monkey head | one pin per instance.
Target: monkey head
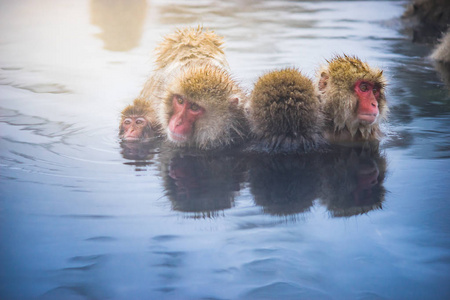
(137, 122)
(284, 111)
(353, 95)
(201, 109)
(188, 45)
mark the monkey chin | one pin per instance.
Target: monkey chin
(367, 119)
(128, 138)
(176, 137)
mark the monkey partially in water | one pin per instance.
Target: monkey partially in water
(353, 98)
(284, 113)
(196, 102)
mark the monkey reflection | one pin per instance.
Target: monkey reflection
(203, 185)
(284, 185)
(348, 181)
(140, 151)
(121, 22)
(352, 181)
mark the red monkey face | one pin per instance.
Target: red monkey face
(182, 121)
(368, 95)
(133, 128)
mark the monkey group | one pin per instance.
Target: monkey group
(192, 101)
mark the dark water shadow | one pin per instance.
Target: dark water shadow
(348, 181)
(203, 184)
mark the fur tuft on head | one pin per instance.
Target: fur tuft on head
(139, 108)
(188, 45)
(284, 111)
(213, 89)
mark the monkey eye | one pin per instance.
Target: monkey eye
(194, 107)
(179, 99)
(363, 87)
(140, 121)
(127, 121)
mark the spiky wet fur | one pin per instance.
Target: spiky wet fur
(284, 112)
(442, 51)
(213, 89)
(190, 46)
(335, 84)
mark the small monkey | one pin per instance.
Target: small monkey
(284, 113)
(137, 122)
(353, 98)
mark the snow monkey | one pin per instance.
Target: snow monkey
(284, 113)
(138, 122)
(196, 102)
(353, 99)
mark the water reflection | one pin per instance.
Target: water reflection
(348, 181)
(140, 151)
(285, 185)
(122, 22)
(201, 184)
(352, 181)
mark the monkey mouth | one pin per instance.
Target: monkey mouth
(176, 137)
(368, 118)
(130, 139)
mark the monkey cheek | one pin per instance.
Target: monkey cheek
(131, 135)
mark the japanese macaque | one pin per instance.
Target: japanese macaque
(138, 122)
(196, 101)
(284, 113)
(442, 51)
(427, 19)
(201, 109)
(354, 103)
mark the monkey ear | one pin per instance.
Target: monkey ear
(323, 81)
(234, 101)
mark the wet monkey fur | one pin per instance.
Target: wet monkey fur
(195, 101)
(353, 98)
(201, 109)
(284, 113)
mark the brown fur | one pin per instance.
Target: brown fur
(191, 62)
(141, 108)
(442, 51)
(184, 48)
(190, 46)
(213, 89)
(335, 86)
(284, 112)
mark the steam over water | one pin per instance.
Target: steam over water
(84, 216)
